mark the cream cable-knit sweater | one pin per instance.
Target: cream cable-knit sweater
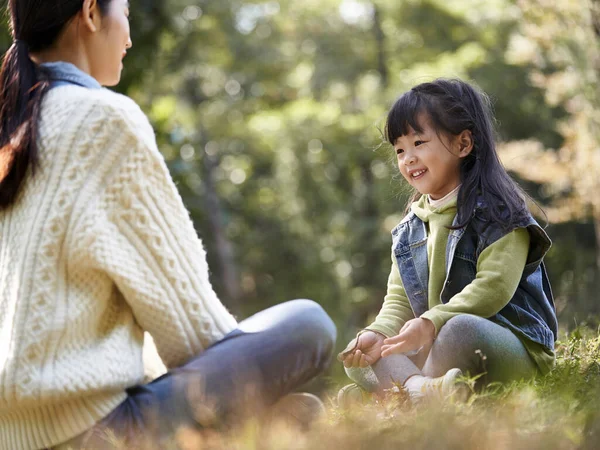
(97, 248)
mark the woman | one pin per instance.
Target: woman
(96, 247)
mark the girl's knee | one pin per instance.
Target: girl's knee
(459, 340)
(464, 327)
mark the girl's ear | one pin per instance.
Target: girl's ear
(90, 14)
(464, 143)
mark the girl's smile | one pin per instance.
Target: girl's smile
(417, 174)
(429, 161)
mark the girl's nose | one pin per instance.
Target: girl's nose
(129, 43)
(410, 159)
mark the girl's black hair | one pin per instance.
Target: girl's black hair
(453, 106)
(35, 26)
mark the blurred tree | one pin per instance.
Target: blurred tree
(563, 42)
(269, 113)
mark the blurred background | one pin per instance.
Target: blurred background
(269, 114)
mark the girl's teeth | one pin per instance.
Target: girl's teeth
(416, 174)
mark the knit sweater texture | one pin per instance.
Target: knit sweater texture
(97, 249)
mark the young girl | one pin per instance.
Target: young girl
(468, 292)
(96, 247)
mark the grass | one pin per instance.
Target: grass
(559, 411)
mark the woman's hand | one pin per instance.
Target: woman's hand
(363, 351)
(414, 335)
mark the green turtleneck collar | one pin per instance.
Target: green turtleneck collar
(423, 209)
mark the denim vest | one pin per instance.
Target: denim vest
(530, 313)
(63, 73)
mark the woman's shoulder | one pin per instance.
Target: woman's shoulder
(97, 105)
(96, 125)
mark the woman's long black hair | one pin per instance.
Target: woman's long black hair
(453, 106)
(35, 26)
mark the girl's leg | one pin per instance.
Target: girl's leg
(477, 345)
(269, 355)
(385, 373)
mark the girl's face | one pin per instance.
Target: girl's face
(430, 163)
(111, 44)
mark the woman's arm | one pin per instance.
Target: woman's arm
(138, 232)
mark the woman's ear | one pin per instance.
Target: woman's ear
(464, 143)
(90, 14)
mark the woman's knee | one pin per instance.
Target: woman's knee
(312, 322)
(305, 320)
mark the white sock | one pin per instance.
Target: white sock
(415, 382)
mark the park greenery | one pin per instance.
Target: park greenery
(269, 114)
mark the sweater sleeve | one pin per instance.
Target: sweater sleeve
(141, 236)
(396, 309)
(499, 270)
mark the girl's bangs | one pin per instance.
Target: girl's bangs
(404, 115)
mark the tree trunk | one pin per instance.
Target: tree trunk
(368, 210)
(596, 212)
(226, 270)
(380, 40)
(227, 267)
(596, 17)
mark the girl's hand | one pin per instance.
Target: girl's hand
(363, 351)
(414, 335)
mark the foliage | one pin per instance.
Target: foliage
(562, 41)
(269, 113)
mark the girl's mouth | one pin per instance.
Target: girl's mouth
(418, 174)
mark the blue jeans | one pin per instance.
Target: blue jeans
(269, 355)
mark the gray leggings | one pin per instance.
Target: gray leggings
(471, 343)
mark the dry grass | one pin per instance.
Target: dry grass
(559, 411)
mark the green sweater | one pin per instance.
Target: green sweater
(499, 270)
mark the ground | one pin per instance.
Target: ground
(559, 411)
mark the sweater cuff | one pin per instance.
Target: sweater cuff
(437, 318)
(380, 329)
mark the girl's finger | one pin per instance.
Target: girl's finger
(356, 359)
(348, 360)
(368, 360)
(392, 349)
(363, 361)
(402, 336)
(388, 351)
(402, 347)
(394, 340)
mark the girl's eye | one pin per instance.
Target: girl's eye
(399, 151)
(417, 143)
